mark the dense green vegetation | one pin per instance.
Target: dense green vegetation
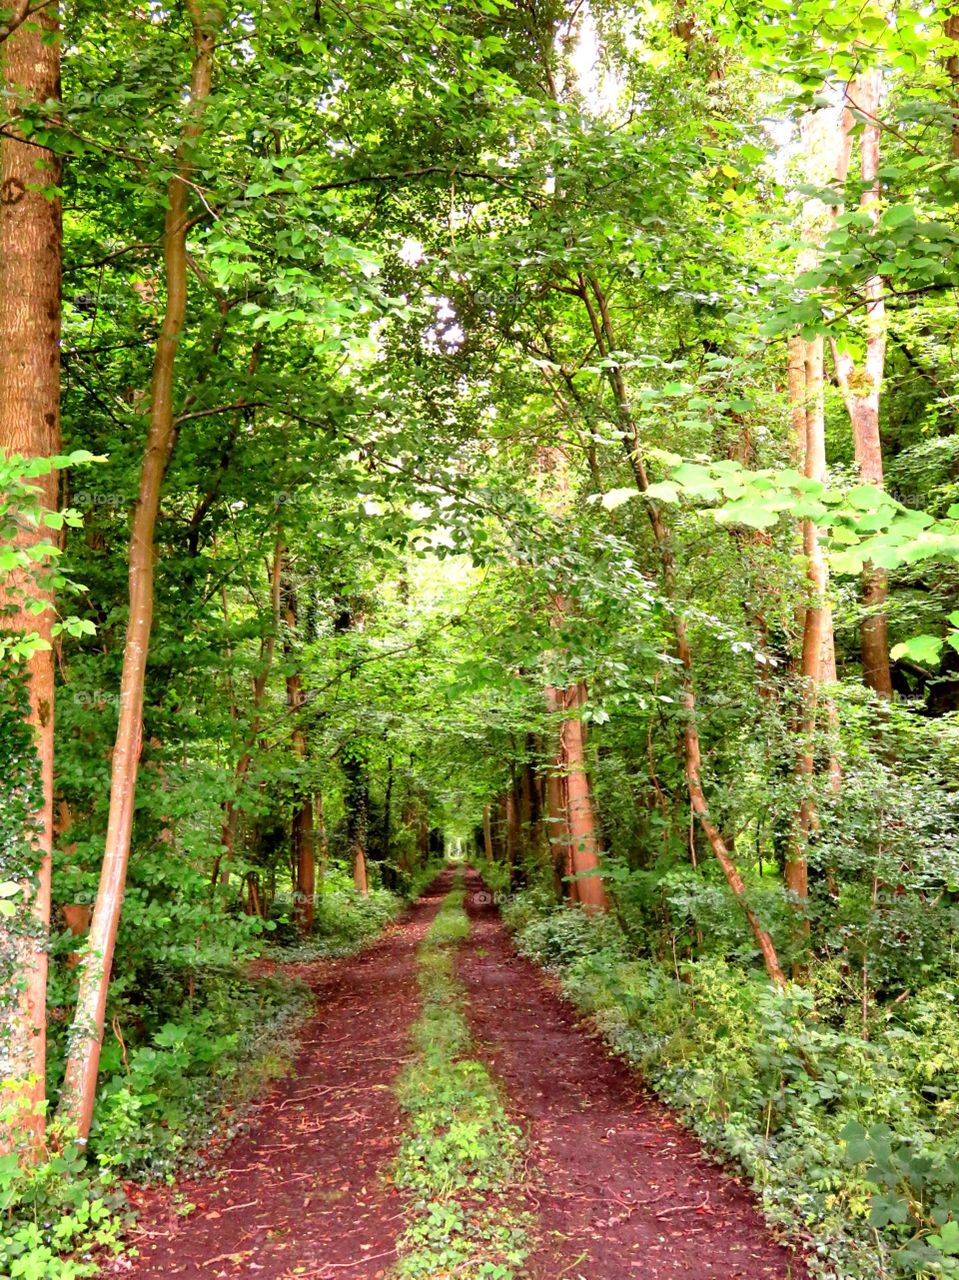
(525, 430)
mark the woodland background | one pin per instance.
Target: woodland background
(516, 428)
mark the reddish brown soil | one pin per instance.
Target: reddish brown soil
(304, 1192)
(623, 1190)
(618, 1188)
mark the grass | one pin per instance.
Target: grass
(461, 1155)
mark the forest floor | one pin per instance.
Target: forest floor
(616, 1187)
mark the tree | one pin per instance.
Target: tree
(30, 269)
(862, 387)
(79, 1091)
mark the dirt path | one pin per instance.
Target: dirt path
(301, 1193)
(619, 1190)
(623, 1190)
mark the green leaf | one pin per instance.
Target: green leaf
(923, 648)
(616, 497)
(663, 491)
(898, 215)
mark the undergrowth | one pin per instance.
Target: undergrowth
(461, 1152)
(850, 1142)
(345, 921)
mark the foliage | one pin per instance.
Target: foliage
(57, 1215)
(162, 1102)
(451, 295)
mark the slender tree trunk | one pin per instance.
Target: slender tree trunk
(356, 800)
(387, 812)
(512, 831)
(596, 306)
(538, 838)
(861, 388)
(557, 803)
(816, 624)
(30, 262)
(304, 855)
(79, 1089)
(322, 848)
(818, 659)
(524, 795)
(807, 410)
(360, 879)
(572, 836)
(487, 834)
(231, 813)
(305, 851)
(580, 815)
(559, 831)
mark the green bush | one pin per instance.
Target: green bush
(344, 921)
(56, 1213)
(567, 934)
(161, 1101)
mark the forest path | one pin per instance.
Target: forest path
(301, 1193)
(618, 1188)
(622, 1189)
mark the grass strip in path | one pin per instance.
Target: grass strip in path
(461, 1155)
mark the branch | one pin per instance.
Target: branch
(21, 12)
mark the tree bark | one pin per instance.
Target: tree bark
(816, 627)
(556, 803)
(356, 800)
(304, 854)
(580, 816)
(30, 267)
(79, 1089)
(861, 388)
(322, 849)
(231, 812)
(513, 829)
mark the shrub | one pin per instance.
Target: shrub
(57, 1213)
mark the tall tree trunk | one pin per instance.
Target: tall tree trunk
(816, 625)
(487, 834)
(231, 812)
(556, 805)
(30, 262)
(570, 830)
(513, 841)
(861, 388)
(356, 801)
(304, 855)
(594, 300)
(580, 816)
(387, 812)
(79, 1088)
(322, 849)
(807, 408)
(304, 849)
